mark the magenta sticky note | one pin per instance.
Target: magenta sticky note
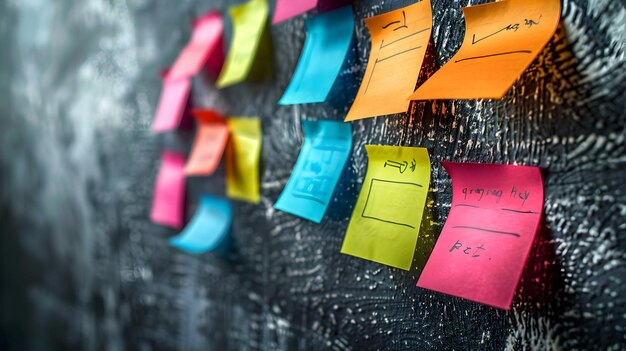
(204, 50)
(484, 244)
(172, 112)
(168, 203)
(285, 9)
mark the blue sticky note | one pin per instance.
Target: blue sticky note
(209, 227)
(327, 43)
(326, 148)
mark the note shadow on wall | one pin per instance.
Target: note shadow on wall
(344, 196)
(345, 87)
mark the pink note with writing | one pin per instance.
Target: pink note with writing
(172, 111)
(285, 9)
(205, 49)
(484, 244)
(168, 203)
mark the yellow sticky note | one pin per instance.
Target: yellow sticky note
(249, 21)
(399, 42)
(501, 41)
(242, 159)
(388, 213)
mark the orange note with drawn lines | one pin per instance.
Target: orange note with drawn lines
(501, 40)
(209, 144)
(399, 42)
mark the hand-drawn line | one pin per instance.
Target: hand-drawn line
(309, 197)
(466, 205)
(404, 21)
(390, 23)
(397, 165)
(369, 192)
(381, 60)
(503, 209)
(515, 27)
(486, 230)
(518, 211)
(498, 54)
(382, 45)
(394, 22)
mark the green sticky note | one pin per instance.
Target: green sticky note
(387, 215)
(249, 21)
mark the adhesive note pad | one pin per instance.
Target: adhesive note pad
(249, 20)
(168, 203)
(328, 40)
(242, 159)
(208, 228)
(501, 41)
(326, 148)
(388, 213)
(286, 9)
(482, 249)
(203, 50)
(172, 103)
(209, 144)
(399, 42)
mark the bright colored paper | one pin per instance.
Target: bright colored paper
(501, 40)
(482, 250)
(327, 43)
(205, 49)
(209, 227)
(399, 42)
(209, 144)
(172, 103)
(388, 213)
(168, 203)
(326, 148)
(286, 9)
(249, 20)
(242, 159)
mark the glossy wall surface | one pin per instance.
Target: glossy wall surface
(82, 267)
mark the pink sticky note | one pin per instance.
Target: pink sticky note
(205, 49)
(168, 203)
(482, 250)
(286, 9)
(172, 110)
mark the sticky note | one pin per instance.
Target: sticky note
(172, 103)
(327, 43)
(168, 201)
(399, 42)
(204, 50)
(209, 144)
(386, 219)
(250, 21)
(286, 9)
(501, 41)
(484, 244)
(326, 148)
(209, 227)
(242, 159)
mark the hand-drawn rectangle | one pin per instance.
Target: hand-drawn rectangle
(381, 204)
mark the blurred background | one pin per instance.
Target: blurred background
(83, 268)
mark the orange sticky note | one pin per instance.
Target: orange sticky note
(501, 41)
(482, 249)
(209, 144)
(399, 42)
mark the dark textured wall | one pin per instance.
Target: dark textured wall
(82, 268)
